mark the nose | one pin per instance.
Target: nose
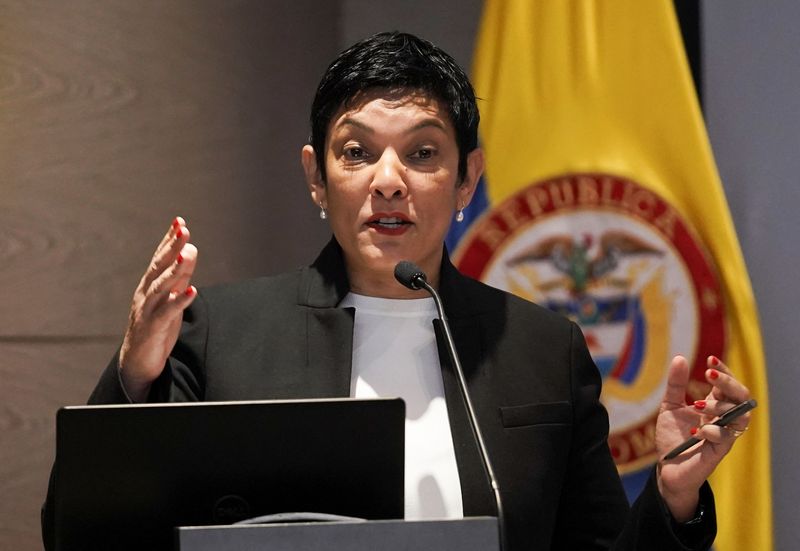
(388, 181)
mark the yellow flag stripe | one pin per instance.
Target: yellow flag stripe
(603, 86)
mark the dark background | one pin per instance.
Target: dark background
(115, 116)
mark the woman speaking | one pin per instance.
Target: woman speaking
(393, 158)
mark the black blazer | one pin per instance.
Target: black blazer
(534, 387)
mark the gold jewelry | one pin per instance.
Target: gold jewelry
(735, 432)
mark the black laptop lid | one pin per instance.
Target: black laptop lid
(127, 475)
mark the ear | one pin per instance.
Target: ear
(314, 181)
(466, 189)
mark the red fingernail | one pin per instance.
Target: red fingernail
(700, 404)
(693, 431)
(189, 291)
(713, 374)
(175, 223)
(714, 361)
(180, 258)
(179, 234)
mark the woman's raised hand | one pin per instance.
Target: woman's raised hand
(680, 478)
(156, 311)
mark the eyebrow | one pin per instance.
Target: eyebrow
(431, 122)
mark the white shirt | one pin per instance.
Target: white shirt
(394, 354)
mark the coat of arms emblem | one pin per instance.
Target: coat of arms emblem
(622, 263)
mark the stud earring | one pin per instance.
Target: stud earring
(323, 214)
(460, 215)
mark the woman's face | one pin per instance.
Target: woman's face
(392, 185)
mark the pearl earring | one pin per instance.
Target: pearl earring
(460, 215)
(323, 214)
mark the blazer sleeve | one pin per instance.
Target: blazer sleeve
(651, 526)
(593, 512)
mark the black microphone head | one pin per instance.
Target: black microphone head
(409, 274)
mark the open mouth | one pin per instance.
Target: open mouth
(388, 222)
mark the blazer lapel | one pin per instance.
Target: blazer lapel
(475, 488)
(465, 324)
(330, 349)
(329, 330)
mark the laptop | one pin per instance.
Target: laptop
(127, 475)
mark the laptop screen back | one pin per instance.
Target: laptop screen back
(127, 475)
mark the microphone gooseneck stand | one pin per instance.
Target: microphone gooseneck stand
(412, 277)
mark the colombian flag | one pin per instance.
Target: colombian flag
(601, 200)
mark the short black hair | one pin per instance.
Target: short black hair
(396, 61)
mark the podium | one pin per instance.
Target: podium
(469, 534)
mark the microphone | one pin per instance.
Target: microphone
(411, 276)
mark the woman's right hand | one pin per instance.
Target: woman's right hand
(157, 310)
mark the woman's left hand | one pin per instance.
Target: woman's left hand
(680, 479)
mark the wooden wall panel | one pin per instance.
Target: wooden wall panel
(115, 116)
(37, 379)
